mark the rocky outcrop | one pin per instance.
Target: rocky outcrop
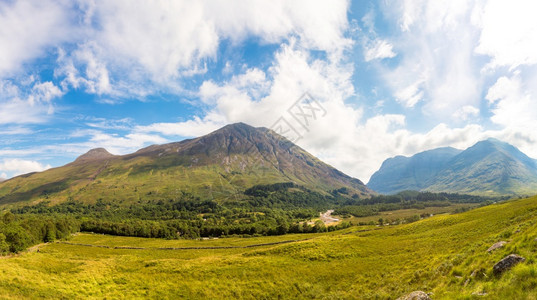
(497, 245)
(507, 263)
(416, 295)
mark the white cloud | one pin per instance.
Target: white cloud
(27, 106)
(438, 14)
(108, 124)
(466, 112)
(160, 38)
(379, 49)
(19, 111)
(23, 38)
(16, 167)
(116, 144)
(112, 47)
(45, 92)
(191, 128)
(437, 67)
(84, 69)
(16, 130)
(509, 32)
(318, 24)
(513, 104)
(410, 95)
(129, 42)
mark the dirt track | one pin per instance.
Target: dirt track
(327, 217)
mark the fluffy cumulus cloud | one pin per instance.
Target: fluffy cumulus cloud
(512, 104)
(509, 32)
(22, 38)
(261, 98)
(15, 167)
(126, 42)
(23, 98)
(437, 69)
(30, 104)
(125, 49)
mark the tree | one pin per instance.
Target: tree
(8, 217)
(4, 246)
(50, 234)
(283, 227)
(319, 226)
(17, 238)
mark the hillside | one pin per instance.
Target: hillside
(410, 173)
(438, 255)
(218, 166)
(490, 167)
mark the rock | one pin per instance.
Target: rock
(507, 263)
(496, 246)
(416, 295)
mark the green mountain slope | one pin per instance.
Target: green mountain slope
(490, 167)
(410, 173)
(218, 166)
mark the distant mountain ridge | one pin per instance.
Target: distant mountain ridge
(490, 167)
(216, 166)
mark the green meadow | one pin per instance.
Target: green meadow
(444, 255)
(401, 214)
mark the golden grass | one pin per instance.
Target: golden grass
(436, 255)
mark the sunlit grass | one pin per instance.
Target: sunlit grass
(445, 255)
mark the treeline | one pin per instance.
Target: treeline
(177, 229)
(19, 232)
(263, 190)
(266, 210)
(425, 197)
(406, 200)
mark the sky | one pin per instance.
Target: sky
(351, 82)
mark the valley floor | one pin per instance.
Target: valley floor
(444, 255)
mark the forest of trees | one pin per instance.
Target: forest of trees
(20, 232)
(266, 210)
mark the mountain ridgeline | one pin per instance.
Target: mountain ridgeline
(490, 167)
(219, 166)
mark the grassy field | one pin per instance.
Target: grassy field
(405, 213)
(444, 255)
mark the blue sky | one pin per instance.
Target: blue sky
(391, 77)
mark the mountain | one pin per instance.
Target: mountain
(94, 154)
(490, 167)
(410, 173)
(218, 166)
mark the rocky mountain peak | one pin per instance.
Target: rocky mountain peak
(94, 154)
